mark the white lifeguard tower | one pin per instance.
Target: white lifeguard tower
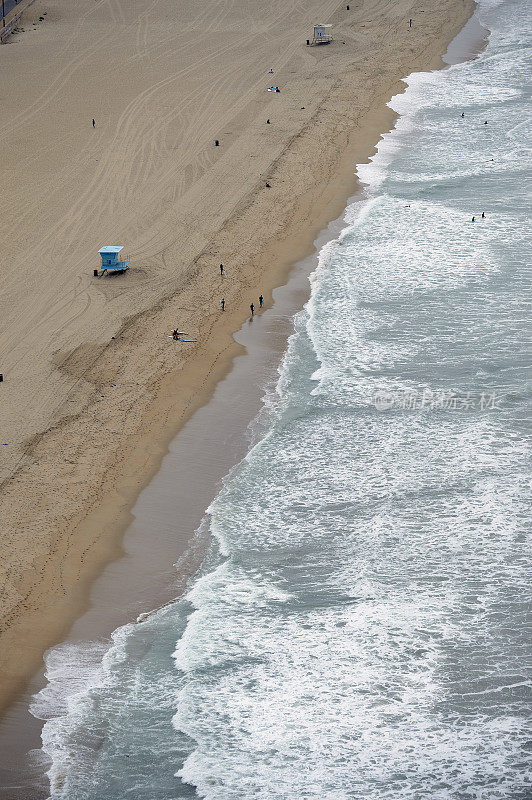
(321, 35)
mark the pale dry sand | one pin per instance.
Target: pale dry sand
(86, 418)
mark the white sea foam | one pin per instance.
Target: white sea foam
(398, 540)
(359, 628)
(73, 671)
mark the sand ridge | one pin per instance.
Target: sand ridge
(86, 416)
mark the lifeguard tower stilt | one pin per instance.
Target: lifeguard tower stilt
(110, 263)
(321, 35)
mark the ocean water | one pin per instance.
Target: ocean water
(359, 627)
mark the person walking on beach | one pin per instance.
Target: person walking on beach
(221, 270)
(93, 123)
(261, 301)
(222, 303)
(483, 216)
(252, 308)
(410, 23)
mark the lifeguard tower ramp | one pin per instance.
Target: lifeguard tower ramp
(321, 35)
(110, 262)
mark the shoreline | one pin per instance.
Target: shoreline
(166, 414)
(159, 570)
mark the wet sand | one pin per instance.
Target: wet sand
(70, 485)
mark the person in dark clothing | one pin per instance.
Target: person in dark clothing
(222, 303)
(261, 301)
(252, 309)
(222, 270)
(483, 215)
(93, 123)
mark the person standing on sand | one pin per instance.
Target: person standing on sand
(221, 270)
(93, 123)
(261, 301)
(222, 303)
(252, 308)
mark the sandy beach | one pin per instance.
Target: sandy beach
(94, 389)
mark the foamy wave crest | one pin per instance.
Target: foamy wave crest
(68, 703)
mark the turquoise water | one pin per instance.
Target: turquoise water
(358, 629)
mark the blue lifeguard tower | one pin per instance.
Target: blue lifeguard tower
(110, 262)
